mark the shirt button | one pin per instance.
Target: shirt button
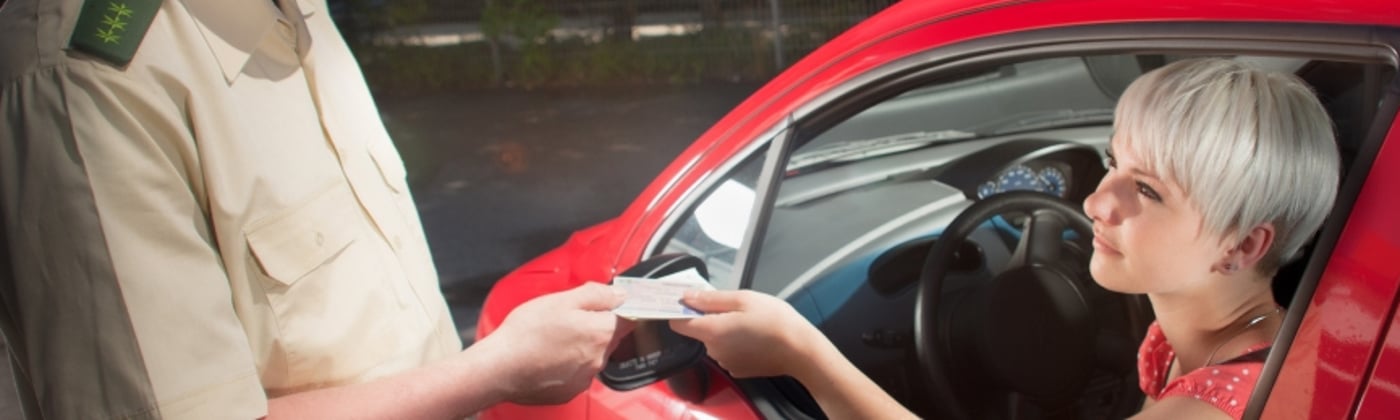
(320, 239)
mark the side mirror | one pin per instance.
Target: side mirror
(652, 351)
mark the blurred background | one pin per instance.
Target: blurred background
(434, 44)
(521, 121)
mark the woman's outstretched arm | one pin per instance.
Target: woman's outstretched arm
(752, 334)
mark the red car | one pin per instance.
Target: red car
(886, 184)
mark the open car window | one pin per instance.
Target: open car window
(906, 171)
(859, 199)
(855, 188)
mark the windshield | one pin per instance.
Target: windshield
(1029, 96)
(853, 150)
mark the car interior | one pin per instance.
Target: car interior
(866, 202)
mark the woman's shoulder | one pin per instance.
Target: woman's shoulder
(1226, 386)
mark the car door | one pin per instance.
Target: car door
(810, 232)
(1343, 344)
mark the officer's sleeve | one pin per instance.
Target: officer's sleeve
(112, 293)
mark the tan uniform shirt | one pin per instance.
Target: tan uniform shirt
(222, 221)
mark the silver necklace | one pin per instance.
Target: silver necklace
(1252, 322)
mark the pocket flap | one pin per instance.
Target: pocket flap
(291, 243)
(390, 166)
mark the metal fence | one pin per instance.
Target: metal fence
(570, 39)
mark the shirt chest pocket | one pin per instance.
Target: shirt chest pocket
(329, 282)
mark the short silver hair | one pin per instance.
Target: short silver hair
(1247, 145)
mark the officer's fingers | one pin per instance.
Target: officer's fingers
(621, 328)
(591, 296)
(599, 326)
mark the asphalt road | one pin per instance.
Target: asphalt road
(503, 176)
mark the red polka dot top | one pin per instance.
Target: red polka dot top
(1226, 385)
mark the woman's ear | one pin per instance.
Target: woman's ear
(1253, 246)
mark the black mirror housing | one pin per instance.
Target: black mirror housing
(653, 351)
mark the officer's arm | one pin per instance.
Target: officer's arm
(451, 389)
(113, 295)
(115, 301)
(545, 352)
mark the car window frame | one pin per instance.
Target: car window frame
(1368, 404)
(692, 197)
(765, 195)
(1348, 43)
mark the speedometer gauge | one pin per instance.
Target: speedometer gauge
(1018, 178)
(1053, 181)
(987, 189)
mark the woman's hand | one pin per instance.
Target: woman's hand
(752, 334)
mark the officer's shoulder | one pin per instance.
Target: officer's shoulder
(20, 51)
(104, 31)
(112, 30)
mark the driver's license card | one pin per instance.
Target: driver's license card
(659, 298)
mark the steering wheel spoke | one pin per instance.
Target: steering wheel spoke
(979, 331)
(1041, 240)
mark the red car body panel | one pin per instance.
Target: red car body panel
(1345, 359)
(1330, 362)
(722, 401)
(1382, 393)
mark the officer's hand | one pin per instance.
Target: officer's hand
(560, 342)
(750, 333)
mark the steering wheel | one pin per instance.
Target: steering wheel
(1033, 336)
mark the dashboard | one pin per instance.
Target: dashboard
(1068, 170)
(1046, 177)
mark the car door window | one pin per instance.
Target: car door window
(713, 229)
(871, 181)
(885, 176)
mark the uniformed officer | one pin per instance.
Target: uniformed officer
(203, 217)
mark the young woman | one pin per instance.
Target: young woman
(1218, 174)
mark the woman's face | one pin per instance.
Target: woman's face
(1148, 237)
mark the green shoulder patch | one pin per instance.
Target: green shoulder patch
(113, 29)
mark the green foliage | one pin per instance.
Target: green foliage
(520, 50)
(528, 24)
(837, 16)
(409, 69)
(405, 12)
(526, 20)
(363, 20)
(736, 55)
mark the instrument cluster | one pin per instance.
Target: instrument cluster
(1049, 178)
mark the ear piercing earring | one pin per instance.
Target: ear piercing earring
(1230, 267)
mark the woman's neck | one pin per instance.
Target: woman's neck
(1217, 324)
